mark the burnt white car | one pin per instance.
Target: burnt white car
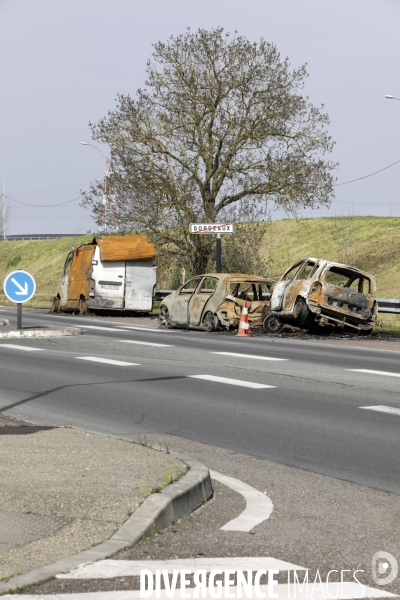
(215, 300)
(315, 294)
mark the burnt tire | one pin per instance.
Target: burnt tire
(210, 322)
(56, 305)
(164, 320)
(83, 306)
(272, 325)
(300, 310)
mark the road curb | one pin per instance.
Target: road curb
(40, 333)
(157, 512)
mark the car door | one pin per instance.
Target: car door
(199, 300)
(298, 286)
(278, 298)
(179, 308)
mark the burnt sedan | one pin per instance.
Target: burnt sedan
(215, 300)
(319, 295)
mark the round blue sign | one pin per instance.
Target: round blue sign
(19, 286)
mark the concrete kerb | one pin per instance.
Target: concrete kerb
(157, 512)
(40, 333)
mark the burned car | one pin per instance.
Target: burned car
(319, 295)
(215, 300)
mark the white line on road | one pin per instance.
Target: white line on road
(106, 569)
(151, 329)
(108, 361)
(249, 356)
(385, 409)
(258, 509)
(387, 373)
(16, 347)
(283, 590)
(144, 343)
(248, 384)
(102, 328)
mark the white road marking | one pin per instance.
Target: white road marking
(259, 506)
(16, 347)
(106, 569)
(102, 328)
(283, 590)
(151, 329)
(248, 384)
(385, 409)
(249, 356)
(108, 361)
(144, 343)
(387, 373)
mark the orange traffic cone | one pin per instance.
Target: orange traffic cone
(244, 327)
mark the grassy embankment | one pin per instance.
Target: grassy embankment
(369, 243)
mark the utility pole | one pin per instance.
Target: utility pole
(4, 206)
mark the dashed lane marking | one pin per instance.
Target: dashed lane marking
(151, 329)
(144, 343)
(102, 328)
(247, 384)
(258, 506)
(108, 361)
(16, 347)
(107, 569)
(249, 356)
(385, 409)
(387, 373)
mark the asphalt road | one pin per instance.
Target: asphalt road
(310, 418)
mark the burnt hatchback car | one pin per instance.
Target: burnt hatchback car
(315, 294)
(215, 300)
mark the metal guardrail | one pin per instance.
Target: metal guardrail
(40, 236)
(160, 294)
(388, 305)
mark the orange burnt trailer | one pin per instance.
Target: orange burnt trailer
(110, 273)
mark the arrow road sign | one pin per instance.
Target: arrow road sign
(19, 286)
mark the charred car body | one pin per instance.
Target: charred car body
(211, 301)
(315, 293)
(114, 272)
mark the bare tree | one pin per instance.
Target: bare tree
(221, 119)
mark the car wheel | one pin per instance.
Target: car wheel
(164, 320)
(300, 310)
(83, 307)
(210, 322)
(272, 324)
(56, 305)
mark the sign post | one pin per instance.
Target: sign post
(19, 287)
(216, 228)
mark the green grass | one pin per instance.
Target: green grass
(369, 243)
(44, 259)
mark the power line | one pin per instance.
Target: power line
(44, 205)
(365, 176)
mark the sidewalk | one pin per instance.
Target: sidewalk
(63, 491)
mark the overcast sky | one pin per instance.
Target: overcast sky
(64, 61)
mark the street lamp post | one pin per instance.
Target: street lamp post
(4, 205)
(390, 97)
(107, 195)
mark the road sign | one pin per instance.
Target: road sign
(211, 228)
(19, 286)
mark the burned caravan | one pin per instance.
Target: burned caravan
(110, 273)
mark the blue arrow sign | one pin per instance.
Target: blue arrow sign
(19, 286)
